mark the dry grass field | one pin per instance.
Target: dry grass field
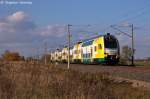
(142, 63)
(34, 81)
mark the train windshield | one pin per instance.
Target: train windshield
(110, 42)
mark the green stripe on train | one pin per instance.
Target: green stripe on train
(95, 60)
(86, 61)
(99, 60)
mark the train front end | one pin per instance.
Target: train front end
(111, 50)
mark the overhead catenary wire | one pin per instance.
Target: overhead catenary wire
(136, 14)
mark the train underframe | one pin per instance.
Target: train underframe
(110, 60)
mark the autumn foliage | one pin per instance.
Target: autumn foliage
(12, 56)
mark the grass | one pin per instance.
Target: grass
(143, 63)
(139, 63)
(34, 81)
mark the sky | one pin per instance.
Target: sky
(26, 27)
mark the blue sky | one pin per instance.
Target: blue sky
(26, 27)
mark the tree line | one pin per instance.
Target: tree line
(12, 56)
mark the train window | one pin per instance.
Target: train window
(110, 42)
(75, 52)
(78, 51)
(89, 55)
(91, 51)
(99, 46)
(95, 48)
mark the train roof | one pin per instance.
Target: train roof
(88, 42)
(108, 34)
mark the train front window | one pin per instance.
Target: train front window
(110, 42)
(99, 46)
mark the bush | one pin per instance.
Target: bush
(126, 55)
(12, 56)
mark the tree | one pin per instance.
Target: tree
(148, 58)
(11, 56)
(126, 55)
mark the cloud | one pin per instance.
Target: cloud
(17, 17)
(18, 30)
(19, 27)
(52, 30)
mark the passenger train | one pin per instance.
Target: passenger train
(103, 49)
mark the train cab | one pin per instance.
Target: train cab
(111, 49)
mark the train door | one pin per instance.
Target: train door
(91, 52)
(91, 55)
